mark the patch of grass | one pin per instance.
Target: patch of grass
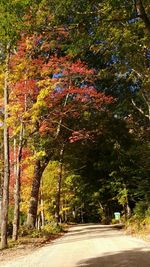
(47, 230)
(138, 227)
(34, 238)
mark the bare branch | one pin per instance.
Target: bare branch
(139, 109)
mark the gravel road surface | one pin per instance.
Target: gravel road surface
(88, 246)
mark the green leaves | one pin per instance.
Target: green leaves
(9, 15)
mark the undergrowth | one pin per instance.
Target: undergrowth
(139, 223)
(46, 231)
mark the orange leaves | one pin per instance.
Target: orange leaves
(44, 127)
(27, 87)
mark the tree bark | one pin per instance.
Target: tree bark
(1, 182)
(0, 209)
(0, 204)
(59, 185)
(5, 194)
(17, 171)
(42, 215)
(33, 205)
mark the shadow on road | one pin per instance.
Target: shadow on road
(94, 227)
(89, 233)
(131, 258)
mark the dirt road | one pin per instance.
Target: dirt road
(89, 246)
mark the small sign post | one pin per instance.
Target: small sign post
(117, 216)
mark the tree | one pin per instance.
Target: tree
(48, 87)
(5, 198)
(17, 176)
(11, 13)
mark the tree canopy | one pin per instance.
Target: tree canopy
(77, 109)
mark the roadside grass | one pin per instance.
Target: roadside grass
(31, 239)
(138, 227)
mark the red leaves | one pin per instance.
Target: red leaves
(74, 81)
(73, 78)
(66, 86)
(78, 69)
(79, 135)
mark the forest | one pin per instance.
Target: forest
(74, 113)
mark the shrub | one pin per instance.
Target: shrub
(51, 228)
(140, 210)
(47, 230)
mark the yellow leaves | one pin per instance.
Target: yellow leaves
(15, 117)
(105, 8)
(29, 43)
(27, 175)
(26, 115)
(1, 79)
(64, 209)
(45, 83)
(37, 107)
(127, 34)
(40, 155)
(87, 115)
(42, 94)
(28, 171)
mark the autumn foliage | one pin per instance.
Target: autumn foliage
(49, 88)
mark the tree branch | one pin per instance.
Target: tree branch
(139, 109)
(142, 14)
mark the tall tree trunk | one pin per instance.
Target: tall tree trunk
(82, 219)
(126, 206)
(38, 171)
(0, 209)
(33, 205)
(58, 193)
(42, 209)
(5, 196)
(17, 171)
(59, 185)
(1, 179)
(0, 199)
